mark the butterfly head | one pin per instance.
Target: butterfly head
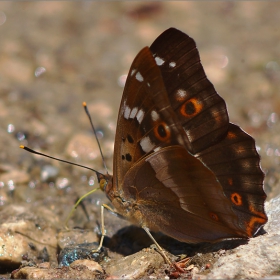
(105, 182)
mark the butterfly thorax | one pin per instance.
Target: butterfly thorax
(126, 208)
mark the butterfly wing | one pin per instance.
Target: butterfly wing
(223, 147)
(200, 110)
(236, 164)
(146, 121)
(170, 109)
(148, 130)
(173, 192)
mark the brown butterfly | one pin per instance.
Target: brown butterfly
(180, 166)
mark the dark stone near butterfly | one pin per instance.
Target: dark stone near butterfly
(80, 252)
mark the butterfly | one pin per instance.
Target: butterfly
(180, 167)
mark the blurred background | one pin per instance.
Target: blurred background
(55, 55)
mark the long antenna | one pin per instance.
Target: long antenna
(93, 128)
(58, 159)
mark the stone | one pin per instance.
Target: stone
(26, 235)
(134, 266)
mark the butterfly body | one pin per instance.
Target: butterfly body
(180, 166)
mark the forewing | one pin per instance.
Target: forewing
(146, 121)
(199, 108)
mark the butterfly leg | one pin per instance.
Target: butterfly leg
(162, 251)
(103, 231)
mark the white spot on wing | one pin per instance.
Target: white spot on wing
(159, 61)
(146, 144)
(154, 115)
(157, 149)
(126, 112)
(148, 84)
(132, 72)
(139, 77)
(172, 64)
(181, 93)
(140, 116)
(133, 112)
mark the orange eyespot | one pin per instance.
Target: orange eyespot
(213, 216)
(236, 199)
(191, 108)
(162, 131)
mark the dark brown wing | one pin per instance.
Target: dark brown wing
(169, 102)
(146, 121)
(201, 111)
(179, 196)
(236, 164)
(203, 115)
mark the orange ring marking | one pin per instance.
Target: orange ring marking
(166, 130)
(214, 216)
(197, 106)
(236, 199)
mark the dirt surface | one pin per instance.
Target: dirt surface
(55, 55)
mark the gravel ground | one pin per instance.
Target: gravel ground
(55, 55)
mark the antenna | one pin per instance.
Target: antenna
(62, 160)
(76, 164)
(93, 128)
